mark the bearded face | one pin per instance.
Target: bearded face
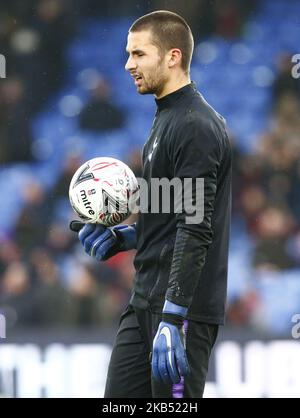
(146, 64)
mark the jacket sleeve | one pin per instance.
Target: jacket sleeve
(196, 155)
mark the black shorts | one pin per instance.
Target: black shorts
(129, 372)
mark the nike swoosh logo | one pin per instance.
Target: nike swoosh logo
(167, 333)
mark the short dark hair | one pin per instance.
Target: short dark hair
(169, 30)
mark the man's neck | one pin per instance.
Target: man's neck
(173, 85)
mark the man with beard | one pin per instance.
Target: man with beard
(166, 334)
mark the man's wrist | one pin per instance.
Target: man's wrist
(174, 314)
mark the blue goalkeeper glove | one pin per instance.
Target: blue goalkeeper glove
(101, 242)
(169, 361)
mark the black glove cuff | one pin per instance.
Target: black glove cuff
(173, 319)
(119, 245)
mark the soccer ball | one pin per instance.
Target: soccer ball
(104, 190)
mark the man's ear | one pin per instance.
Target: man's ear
(175, 56)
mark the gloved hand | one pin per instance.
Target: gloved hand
(169, 361)
(101, 242)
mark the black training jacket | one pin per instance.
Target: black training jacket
(186, 262)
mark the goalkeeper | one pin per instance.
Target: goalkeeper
(167, 332)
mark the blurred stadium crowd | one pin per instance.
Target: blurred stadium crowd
(67, 98)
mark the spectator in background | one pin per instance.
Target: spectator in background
(17, 300)
(274, 227)
(34, 39)
(231, 15)
(120, 289)
(279, 150)
(241, 310)
(54, 24)
(287, 114)
(59, 241)
(15, 129)
(72, 162)
(58, 199)
(228, 19)
(253, 200)
(33, 220)
(24, 60)
(100, 114)
(9, 253)
(92, 302)
(54, 304)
